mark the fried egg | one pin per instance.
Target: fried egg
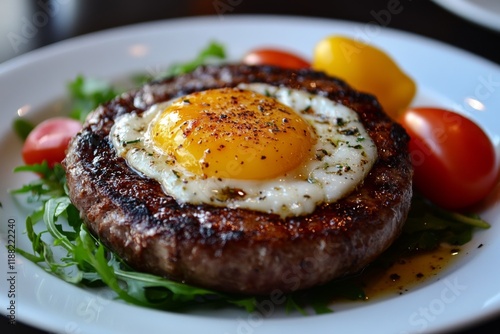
(255, 146)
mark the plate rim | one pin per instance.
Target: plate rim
(472, 12)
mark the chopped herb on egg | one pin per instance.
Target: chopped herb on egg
(226, 194)
(332, 142)
(320, 154)
(311, 180)
(306, 110)
(322, 120)
(349, 132)
(127, 142)
(342, 169)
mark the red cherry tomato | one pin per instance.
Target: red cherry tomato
(454, 160)
(275, 57)
(49, 140)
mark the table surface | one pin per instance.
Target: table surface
(80, 17)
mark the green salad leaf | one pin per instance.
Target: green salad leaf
(212, 53)
(22, 127)
(86, 94)
(427, 226)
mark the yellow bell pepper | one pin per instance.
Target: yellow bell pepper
(367, 69)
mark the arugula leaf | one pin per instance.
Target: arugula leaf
(213, 52)
(428, 225)
(87, 251)
(22, 127)
(291, 305)
(53, 208)
(50, 184)
(86, 94)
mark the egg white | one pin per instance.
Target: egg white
(342, 157)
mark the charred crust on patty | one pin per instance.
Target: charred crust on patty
(237, 250)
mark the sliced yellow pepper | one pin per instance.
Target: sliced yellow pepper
(367, 69)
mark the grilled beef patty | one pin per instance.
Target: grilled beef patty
(237, 250)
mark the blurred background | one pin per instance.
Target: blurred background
(29, 24)
(25, 25)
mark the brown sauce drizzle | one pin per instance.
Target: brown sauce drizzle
(405, 272)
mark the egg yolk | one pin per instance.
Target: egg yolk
(233, 133)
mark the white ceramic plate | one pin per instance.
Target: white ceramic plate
(465, 292)
(482, 12)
